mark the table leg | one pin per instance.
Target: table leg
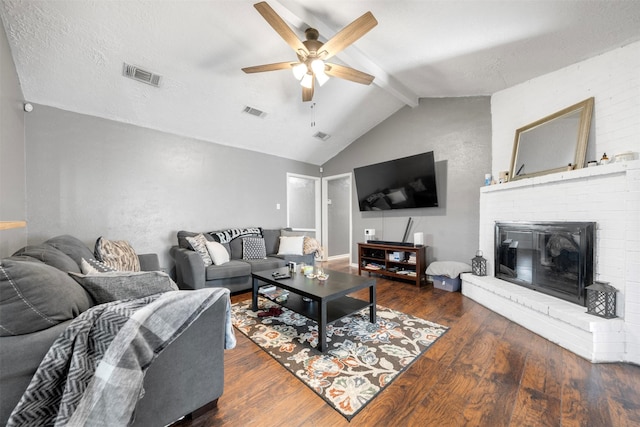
(372, 299)
(322, 326)
(254, 301)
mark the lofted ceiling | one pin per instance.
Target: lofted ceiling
(70, 53)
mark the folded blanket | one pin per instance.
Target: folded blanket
(225, 236)
(93, 373)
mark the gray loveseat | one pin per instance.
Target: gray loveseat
(234, 275)
(186, 376)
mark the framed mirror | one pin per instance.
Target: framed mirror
(552, 143)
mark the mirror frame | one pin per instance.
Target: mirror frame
(586, 110)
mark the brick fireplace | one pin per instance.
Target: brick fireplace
(607, 195)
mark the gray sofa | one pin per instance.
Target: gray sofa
(234, 275)
(188, 375)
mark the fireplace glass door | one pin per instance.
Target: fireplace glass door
(553, 258)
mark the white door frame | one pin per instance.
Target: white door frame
(318, 222)
(325, 212)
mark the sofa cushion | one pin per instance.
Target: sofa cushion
(119, 285)
(233, 268)
(118, 254)
(218, 253)
(35, 296)
(198, 243)
(253, 248)
(268, 263)
(51, 256)
(71, 246)
(271, 240)
(292, 245)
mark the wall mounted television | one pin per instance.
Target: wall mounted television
(408, 182)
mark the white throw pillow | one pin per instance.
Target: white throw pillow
(218, 253)
(292, 245)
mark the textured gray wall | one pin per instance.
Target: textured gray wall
(93, 177)
(12, 162)
(458, 130)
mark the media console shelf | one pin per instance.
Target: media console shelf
(394, 261)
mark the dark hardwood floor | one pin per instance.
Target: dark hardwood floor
(485, 371)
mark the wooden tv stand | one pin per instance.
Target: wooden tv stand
(380, 259)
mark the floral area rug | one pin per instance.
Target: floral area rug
(361, 359)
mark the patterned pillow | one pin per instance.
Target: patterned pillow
(199, 244)
(93, 266)
(253, 248)
(117, 254)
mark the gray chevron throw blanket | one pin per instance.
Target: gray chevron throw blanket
(93, 373)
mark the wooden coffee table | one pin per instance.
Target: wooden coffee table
(329, 300)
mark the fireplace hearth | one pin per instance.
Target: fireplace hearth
(555, 258)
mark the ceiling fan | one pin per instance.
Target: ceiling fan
(312, 53)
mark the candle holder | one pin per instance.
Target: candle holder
(601, 300)
(479, 265)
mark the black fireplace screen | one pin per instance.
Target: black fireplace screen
(555, 258)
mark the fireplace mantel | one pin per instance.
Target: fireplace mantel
(608, 195)
(576, 174)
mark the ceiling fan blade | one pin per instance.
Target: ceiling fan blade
(307, 93)
(348, 35)
(281, 27)
(269, 67)
(342, 72)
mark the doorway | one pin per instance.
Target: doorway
(336, 216)
(303, 204)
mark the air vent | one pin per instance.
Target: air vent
(321, 135)
(141, 75)
(254, 112)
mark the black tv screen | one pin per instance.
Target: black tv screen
(409, 182)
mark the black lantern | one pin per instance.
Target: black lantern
(601, 300)
(479, 265)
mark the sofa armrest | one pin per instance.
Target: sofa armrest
(149, 262)
(190, 270)
(189, 373)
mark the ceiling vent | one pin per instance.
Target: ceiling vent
(141, 75)
(254, 112)
(321, 135)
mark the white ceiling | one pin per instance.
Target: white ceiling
(69, 54)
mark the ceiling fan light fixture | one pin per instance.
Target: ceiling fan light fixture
(307, 81)
(317, 65)
(299, 70)
(322, 78)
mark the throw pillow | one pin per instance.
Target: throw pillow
(253, 248)
(199, 244)
(291, 245)
(36, 296)
(93, 266)
(120, 285)
(117, 254)
(217, 252)
(310, 245)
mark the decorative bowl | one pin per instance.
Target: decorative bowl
(323, 277)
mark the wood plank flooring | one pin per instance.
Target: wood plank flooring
(485, 371)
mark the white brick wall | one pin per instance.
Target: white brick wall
(608, 195)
